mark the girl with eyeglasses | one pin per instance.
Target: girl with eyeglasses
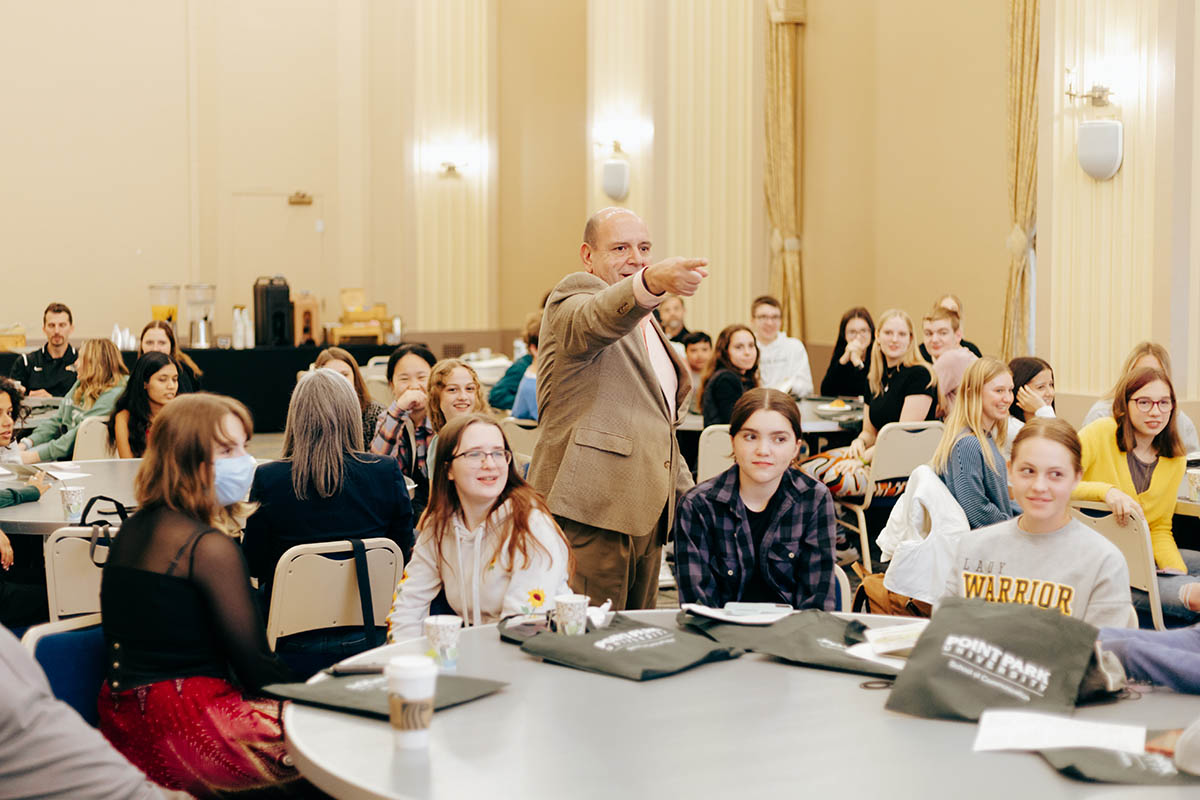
(486, 537)
(1134, 461)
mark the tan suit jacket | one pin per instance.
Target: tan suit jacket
(606, 455)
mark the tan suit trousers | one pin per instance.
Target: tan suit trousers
(616, 566)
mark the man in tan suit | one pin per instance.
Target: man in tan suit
(610, 393)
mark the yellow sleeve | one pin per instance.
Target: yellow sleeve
(1091, 490)
(1158, 503)
(1092, 440)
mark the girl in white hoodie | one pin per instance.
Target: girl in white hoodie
(486, 536)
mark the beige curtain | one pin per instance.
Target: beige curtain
(785, 49)
(1022, 170)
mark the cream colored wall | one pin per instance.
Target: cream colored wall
(679, 84)
(94, 200)
(904, 160)
(543, 149)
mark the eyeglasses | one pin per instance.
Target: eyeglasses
(476, 457)
(769, 317)
(1144, 404)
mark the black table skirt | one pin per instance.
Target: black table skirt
(261, 378)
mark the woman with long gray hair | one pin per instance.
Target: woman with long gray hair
(325, 488)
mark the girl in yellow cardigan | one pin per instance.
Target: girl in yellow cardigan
(1134, 462)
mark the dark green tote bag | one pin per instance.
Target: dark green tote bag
(629, 649)
(977, 655)
(811, 637)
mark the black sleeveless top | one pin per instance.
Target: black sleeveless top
(176, 602)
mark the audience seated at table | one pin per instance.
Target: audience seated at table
(940, 334)
(525, 406)
(783, 361)
(487, 538)
(453, 391)
(902, 388)
(846, 375)
(1044, 557)
(968, 457)
(732, 371)
(23, 579)
(49, 371)
(406, 427)
(153, 384)
(1133, 461)
(1147, 354)
(670, 315)
(341, 362)
(11, 412)
(760, 531)
(186, 645)
(323, 489)
(949, 370)
(158, 336)
(1033, 393)
(101, 381)
(951, 302)
(697, 351)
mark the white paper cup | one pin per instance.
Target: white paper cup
(72, 503)
(570, 614)
(411, 681)
(1193, 483)
(442, 630)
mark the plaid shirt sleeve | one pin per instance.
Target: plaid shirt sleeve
(389, 433)
(693, 574)
(819, 536)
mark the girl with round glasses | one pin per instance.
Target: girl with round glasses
(1134, 462)
(487, 537)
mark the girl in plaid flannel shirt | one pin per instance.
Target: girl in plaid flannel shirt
(760, 531)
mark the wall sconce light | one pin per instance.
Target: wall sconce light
(1099, 95)
(451, 158)
(450, 170)
(1099, 146)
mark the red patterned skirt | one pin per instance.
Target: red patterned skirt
(200, 735)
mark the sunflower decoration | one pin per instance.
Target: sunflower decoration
(536, 598)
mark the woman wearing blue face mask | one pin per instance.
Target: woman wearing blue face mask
(187, 649)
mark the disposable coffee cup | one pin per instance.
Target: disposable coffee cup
(72, 502)
(570, 614)
(442, 630)
(411, 681)
(1193, 483)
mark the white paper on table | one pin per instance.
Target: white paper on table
(1002, 729)
(866, 652)
(722, 615)
(898, 639)
(64, 475)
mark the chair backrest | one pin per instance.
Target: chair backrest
(377, 362)
(714, 454)
(378, 390)
(901, 447)
(1133, 540)
(523, 438)
(72, 580)
(91, 440)
(844, 600)
(314, 589)
(71, 653)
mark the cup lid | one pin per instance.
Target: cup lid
(411, 666)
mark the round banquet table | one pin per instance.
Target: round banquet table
(748, 728)
(110, 477)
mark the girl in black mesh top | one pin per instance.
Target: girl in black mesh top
(187, 648)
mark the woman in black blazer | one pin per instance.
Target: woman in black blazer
(326, 488)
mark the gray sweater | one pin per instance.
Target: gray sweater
(982, 491)
(1073, 569)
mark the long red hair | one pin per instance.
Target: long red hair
(522, 499)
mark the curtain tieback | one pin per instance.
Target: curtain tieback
(781, 243)
(1017, 241)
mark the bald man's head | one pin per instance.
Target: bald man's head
(616, 244)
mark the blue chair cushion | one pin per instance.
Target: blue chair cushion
(74, 664)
